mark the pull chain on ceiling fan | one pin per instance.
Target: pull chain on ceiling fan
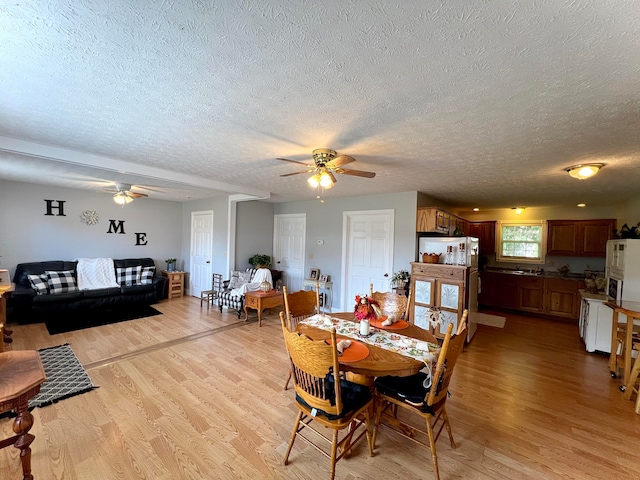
(326, 163)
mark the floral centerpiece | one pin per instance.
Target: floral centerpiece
(366, 308)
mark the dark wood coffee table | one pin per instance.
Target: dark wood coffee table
(261, 300)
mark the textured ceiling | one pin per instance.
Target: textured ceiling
(473, 103)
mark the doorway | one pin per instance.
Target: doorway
(289, 236)
(201, 252)
(367, 253)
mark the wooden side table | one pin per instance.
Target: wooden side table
(261, 300)
(176, 283)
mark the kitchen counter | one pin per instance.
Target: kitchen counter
(526, 273)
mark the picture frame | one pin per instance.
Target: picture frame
(314, 273)
(324, 278)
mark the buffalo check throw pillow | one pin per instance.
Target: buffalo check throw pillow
(146, 277)
(40, 283)
(128, 276)
(61, 282)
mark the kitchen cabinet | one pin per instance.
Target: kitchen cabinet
(557, 297)
(562, 298)
(579, 238)
(451, 288)
(437, 220)
(486, 233)
(530, 294)
(432, 220)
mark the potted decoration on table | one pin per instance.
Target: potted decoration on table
(400, 279)
(171, 264)
(260, 261)
(365, 310)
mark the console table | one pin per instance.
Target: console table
(309, 282)
(260, 300)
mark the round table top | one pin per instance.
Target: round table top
(380, 362)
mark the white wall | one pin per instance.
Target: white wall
(254, 232)
(324, 222)
(28, 235)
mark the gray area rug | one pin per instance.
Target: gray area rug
(65, 376)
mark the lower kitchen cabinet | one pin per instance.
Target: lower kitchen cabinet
(557, 297)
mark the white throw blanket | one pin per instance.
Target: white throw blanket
(95, 273)
(261, 275)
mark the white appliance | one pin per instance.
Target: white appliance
(452, 250)
(623, 270)
(596, 320)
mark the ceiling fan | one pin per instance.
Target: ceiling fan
(123, 194)
(326, 163)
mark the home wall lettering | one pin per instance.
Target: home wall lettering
(59, 205)
(141, 239)
(116, 227)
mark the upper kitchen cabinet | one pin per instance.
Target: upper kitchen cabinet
(579, 238)
(486, 233)
(432, 220)
(436, 220)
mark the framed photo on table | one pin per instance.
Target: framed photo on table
(314, 274)
(324, 278)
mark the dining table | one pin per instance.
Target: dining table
(380, 361)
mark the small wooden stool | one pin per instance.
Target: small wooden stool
(21, 374)
(632, 386)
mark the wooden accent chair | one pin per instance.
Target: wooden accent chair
(391, 303)
(212, 294)
(417, 397)
(298, 306)
(21, 374)
(325, 398)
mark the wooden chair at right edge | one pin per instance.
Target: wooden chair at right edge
(298, 306)
(325, 398)
(410, 394)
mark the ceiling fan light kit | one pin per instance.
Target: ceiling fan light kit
(123, 194)
(121, 198)
(584, 170)
(326, 163)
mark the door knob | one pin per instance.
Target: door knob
(208, 261)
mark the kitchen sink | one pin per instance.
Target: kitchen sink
(522, 272)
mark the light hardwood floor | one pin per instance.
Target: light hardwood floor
(193, 394)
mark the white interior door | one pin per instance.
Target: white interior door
(201, 252)
(367, 253)
(289, 233)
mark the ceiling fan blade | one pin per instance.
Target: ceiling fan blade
(297, 173)
(136, 195)
(357, 173)
(333, 177)
(340, 160)
(296, 162)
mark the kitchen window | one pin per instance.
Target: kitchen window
(521, 242)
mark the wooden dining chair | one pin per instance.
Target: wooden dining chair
(423, 395)
(212, 295)
(462, 324)
(390, 303)
(298, 306)
(325, 399)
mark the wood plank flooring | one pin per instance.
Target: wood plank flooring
(195, 394)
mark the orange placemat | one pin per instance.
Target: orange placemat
(398, 325)
(357, 351)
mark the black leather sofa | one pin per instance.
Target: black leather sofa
(25, 305)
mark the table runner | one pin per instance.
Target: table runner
(389, 340)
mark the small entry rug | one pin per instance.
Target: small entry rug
(63, 323)
(489, 320)
(65, 376)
